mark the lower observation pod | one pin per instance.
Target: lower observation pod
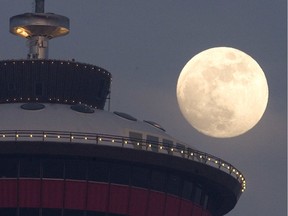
(53, 177)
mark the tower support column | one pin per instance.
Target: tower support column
(38, 47)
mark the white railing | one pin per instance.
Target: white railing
(123, 142)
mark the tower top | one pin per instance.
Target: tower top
(38, 28)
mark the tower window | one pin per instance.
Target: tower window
(120, 174)
(30, 167)
(136, 139)
(154, 141)
(8, 168)
(98, 171)
(32, 106)
(38, 89)
(53, 168)
(158, 180)
(140, 177)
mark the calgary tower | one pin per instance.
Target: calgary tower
(62, 154)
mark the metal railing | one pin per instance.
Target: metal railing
(124, 142)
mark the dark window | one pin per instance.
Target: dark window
(101, 88)
(28, 212)
(8, 168)
(50, 212)
(75, 169)
(140, 177)
(180, 147)
(157, 181)
(168, 144)
(38, 89)
(33, 106)
(187, 190)
(90, 213)
(205, 199)
(111, 214)
(30, 167)
(8, 211)
(11, 86)
(125, 116)
(153, 141)
(156, 125)
(136, 139)
(98, 171)
(197, 195)
(70, 212)
(53, 168)
(173, 184)
(120, 174)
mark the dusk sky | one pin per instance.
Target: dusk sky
(145, 45)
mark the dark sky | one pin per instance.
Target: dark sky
(145, 45)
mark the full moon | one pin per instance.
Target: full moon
(222, 92)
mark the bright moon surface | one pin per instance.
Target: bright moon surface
(222, 92)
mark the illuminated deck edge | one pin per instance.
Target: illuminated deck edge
(124, 142)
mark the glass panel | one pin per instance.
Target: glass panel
(136, 139)
(120, 174)
(156, 125)
(154, 141)
(125, 116)
(8, 211)
(30, 167)
(173, 184)
(140, 177)
(187, 190)
(28, 212)
(33, 106)
(181, 148)
(158, 180)
(90, 213)
(205, 201)
(168, 144)
(111, 214)
(38, 89)
(69, 212)
(8, 168)
(98, 171)
(51, 212)
(75, 169)
(197, 195)
(53, 168)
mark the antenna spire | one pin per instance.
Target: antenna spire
(39, 6)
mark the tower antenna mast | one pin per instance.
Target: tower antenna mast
(39, 6)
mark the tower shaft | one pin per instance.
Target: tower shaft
(38, 47)
(39, 6)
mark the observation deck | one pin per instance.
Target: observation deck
(212, 173)
(54, 81)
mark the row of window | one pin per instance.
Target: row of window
(153, 142)
(50, 212)
(103, 171)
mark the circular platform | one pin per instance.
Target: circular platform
(39, 24)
